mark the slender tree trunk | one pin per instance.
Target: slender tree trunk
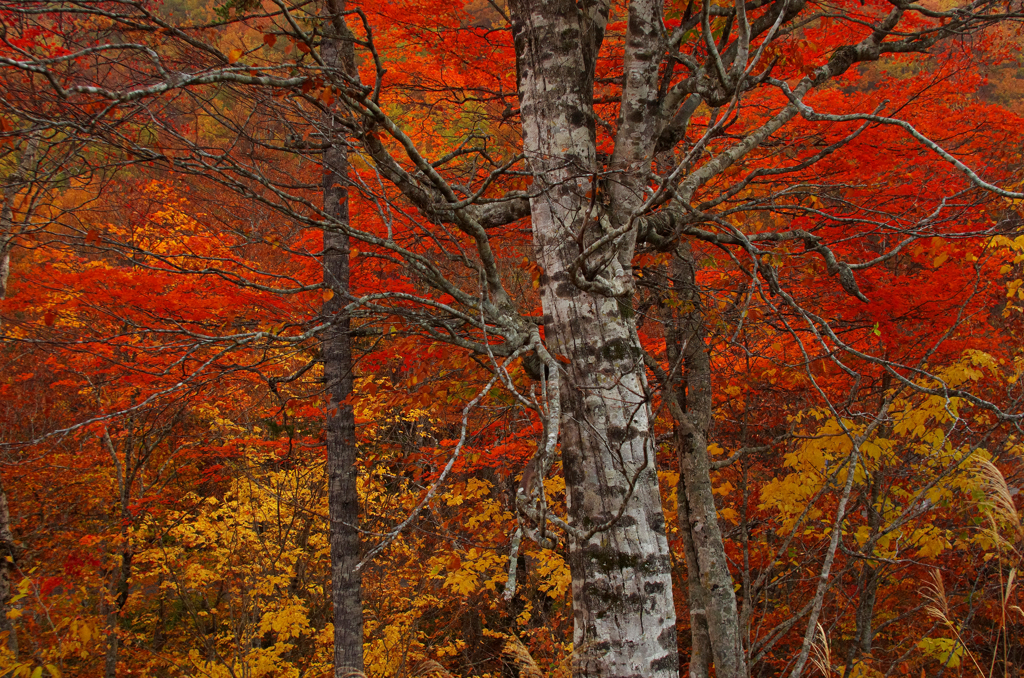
(711, 585)
(8, 551)
(343, 497)
(118, 597)
(624, 617)
(861, 647)
(8, 229)
(111, 652)
(7, 546)
(117, 594)
(700, 642)
(5, 263)
(675, 343)
(868, 585)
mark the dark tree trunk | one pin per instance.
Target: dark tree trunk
(118, 594)
(870, 577)
(343, 497)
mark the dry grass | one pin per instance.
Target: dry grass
(935, 592)
(520, 657)
(1001, 506)
(821, 652)
(429, 667)
(1003, 517)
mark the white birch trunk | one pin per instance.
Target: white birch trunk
(624, 617)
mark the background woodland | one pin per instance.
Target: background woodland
(166, 309)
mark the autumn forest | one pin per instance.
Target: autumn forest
(511, 338)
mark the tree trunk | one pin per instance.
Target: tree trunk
(7, 555)
(8, 550)
(624, 617)
(7, 547)
(700, 642)
(870, 577)
(343, 497)
(118, 595)
(5, 264)
(8, 229)
(711, 585)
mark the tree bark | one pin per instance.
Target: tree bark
(118, 596)
(343, 497)
(7, 546)
(117, 593)
(8, 550)
(870, 577)
(8, 231)
(5, 264)
(700, 642)
(624, 617)
(710, 583)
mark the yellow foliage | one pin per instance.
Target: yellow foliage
(946, 651)
(231, 565)
(554, 572)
